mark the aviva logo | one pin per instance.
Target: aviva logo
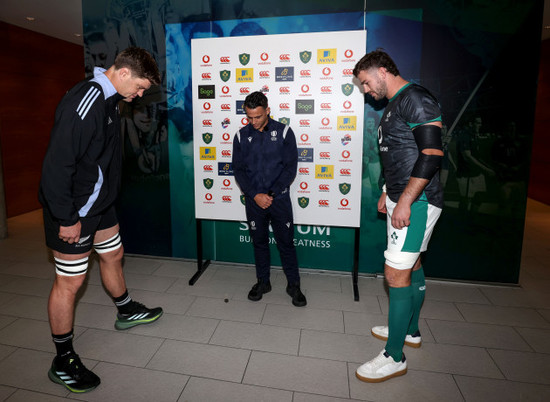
(326, 56)
(347, 123)
(244, 75)
(208, 153)
(324, 171)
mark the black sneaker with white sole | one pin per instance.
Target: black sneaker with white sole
(69, 371)
(139, 314)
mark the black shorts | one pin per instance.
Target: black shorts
(90, 225)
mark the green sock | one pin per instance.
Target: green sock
(418, 285)
(399, 318)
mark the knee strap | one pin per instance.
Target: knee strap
(108, 245)
(400, 259)
(71, 267)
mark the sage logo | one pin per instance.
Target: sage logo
(284, 73)
(305, 106)
(240, 107)
(305, 154)
(207, 91)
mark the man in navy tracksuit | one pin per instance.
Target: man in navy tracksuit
(265, 159)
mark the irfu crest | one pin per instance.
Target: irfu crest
(344, 188)
(303, 202)
(305, 56)
(207, 138)
(347, 89)
(225, 75)
(244, 58)
(208, 183)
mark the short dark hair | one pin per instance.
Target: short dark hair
(376, 59)
(254, 100)
(140, 62)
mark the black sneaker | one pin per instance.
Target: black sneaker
(298, 298)
(138, 315)
(69, 371)
(259, 289)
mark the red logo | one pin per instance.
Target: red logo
(245, 90)
(325, 106)
(207, 123)
(304, 123)
(326, 71)
(348, 72)
(325, 139)
(284, 106)
(284, 57)
(264, 74)
(347, 105)
(284, 90)
(323, 203)
(225, 60)
(325, 121)
(225, 89)
(205, 59)
(324, 155)
(324, 187)
(345, 172)
(304, 137)
(206, 76)
(208, 196)
(305, 88)
(303, 170)
(344, 202)
(303, 185)
(227, 182)
(226, 136)
(208, 168)
(244, 121)
(326, 90)
(345, 154)
(226, 198)
(206, 106)
(305, 73)
(348, 53)
(225, 106)
(264, 56)
(226, 152)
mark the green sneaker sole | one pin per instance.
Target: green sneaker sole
(121, 325)
(53, 377)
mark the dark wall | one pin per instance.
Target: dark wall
(539, 180)
(36, 70)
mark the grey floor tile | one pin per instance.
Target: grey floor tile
(515, 297)
(183, 269)
(39, 269)
(483, 389)
(536, 266)
(536, 338)
(368, 286)
(342, 347)
(414, 386)
(482, 335)
(170, 303)
(145, 385)
(277, 295)
(117, 347)
(199, 360)
(211, 288)
(439, 310)
(516, 316)
(300, 397)
(5, 321)
(6, 279)
(266, 338)
(233, 310)
(140, 265)
(148, 282)
(321, 283)
(35, 308)
(304, 317)
(452, 359)
(22, 395)
(178, 327)
(94, 294)
(545, 313)
(303, 374)
(29, 286)
(523, 366)
(343, 301)
(454, 292)
(95, 316)
(203, 389)
(5, 392)
(5, 351)
(234, 274)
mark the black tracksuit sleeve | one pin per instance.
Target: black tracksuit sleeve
(290, 164)
(239, 169)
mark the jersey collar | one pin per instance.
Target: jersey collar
(100, 78)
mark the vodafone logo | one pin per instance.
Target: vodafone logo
(348, 53)
(324, 155)
(284, 106)
(206, 105)
(326, 90)
(207, 123)
(225, 60)
(226, 136)
(345, 172)
(326, 71)
(347, 105)
(264, 74)
(304, 137)
(325, 139)
(226, 198)
(325, 122)
(324, 187)
(323, 203)
(284, 57)
(226, 152)
(206, 59)
(305, 73)
(325, 106)
(244, 90)
(348, 72)
(227, 182)
(305, 88)
(206, 76)
(226, 106)
(304, 123)
(244, 121)
(344, 202)
(303, 170)
(264, 56)
(208, 196)
(225, 89)
(346, 154)
(208, 168)
(303, 185)
(284, 90)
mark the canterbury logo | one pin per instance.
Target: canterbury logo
(206, 76)
(304, 122)
(348, 72)
(87, 102)
(303, 170)
(245, 90)
(225, 60)
(207, 123)
(264, 74)
(284, 90)
(305, 73)
(326, 106)
(345, 172)
(326, 90)
(324, 155)
(284, 57)
(323, 203)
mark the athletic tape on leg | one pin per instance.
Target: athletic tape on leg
(71, 268)
(108, 245)
(400, 259)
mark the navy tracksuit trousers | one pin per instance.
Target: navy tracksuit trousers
(279, 214)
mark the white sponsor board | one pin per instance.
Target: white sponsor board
(308, 81)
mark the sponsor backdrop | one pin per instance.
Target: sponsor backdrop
(308, 81)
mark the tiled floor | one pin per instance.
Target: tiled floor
(481, 343)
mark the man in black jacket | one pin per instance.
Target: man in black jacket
(79, 185)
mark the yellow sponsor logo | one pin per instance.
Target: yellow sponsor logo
(326, 56)
(324, 171)
(347, 123)
(208, 153)
(244, 75)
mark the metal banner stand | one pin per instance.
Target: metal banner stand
(201, 265)
(356, 265)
